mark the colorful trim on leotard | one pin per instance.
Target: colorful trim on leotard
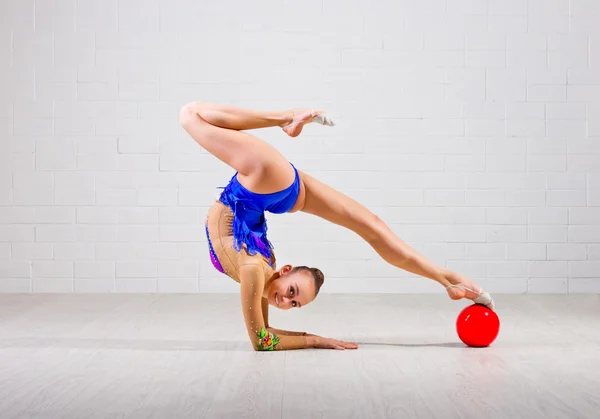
(213, 256)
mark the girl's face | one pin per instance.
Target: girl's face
(291, 290)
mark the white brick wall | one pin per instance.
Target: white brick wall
(473, 131)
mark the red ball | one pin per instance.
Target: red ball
(477, 326)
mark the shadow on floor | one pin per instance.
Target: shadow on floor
(415, 345)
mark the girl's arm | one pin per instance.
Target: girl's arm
(252, 284)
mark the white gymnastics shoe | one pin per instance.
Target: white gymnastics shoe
(323, 120)
(483, 298)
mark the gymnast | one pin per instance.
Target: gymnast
(265, 181)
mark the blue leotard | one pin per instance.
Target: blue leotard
(249, 222)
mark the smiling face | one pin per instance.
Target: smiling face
(294, 288)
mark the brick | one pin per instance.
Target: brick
(525, 111)
(97, 161)
(546, 163)
(73, 251)
(547, 285)
(525, 198)
(546, 93)
(116, 197)
(33, 196)
(137, 233)
(93, 286)
(54, 269)
(96, 233)
(500, 145)
(15, 269)
(548, 269)
(546, 216)
(582, 162)
(506, 216)
(444, 197)
(485, 251)
(138, 145)
(584, 234)
(150, 197)
(163, 251)
(138, 216)
(114, 251)
(506, 234)
(584, 216)
(73, 127)
(506, 162)
(54, 215)
(178, 215)
(485, 198)
(465, 162)
(511, 269)
(178, 285)
(54, 233)
(566, 128)
(547, 146)
(52, 285)
(31, 251)
(525, 128)
(16, 215)
(136, 286)
(178, 269)
(577, 146)
(547, 234)
(180, 233)
(546, 76)
(486, 59)
(96, 145)
(485, 128)
(565, 111)
(526, 251)
(566, 181)
(138, 162)
(136, 269)
(584, 286)
(584, 269)
(94, 270)
(566, 198)
(97, 215)
(567, 251)
(74, 197)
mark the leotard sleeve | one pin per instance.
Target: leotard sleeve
(252, 283)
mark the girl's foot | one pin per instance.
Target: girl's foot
(462, 287)
(300, 117)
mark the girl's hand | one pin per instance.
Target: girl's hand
(328, 343)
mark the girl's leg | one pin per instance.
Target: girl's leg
(216, 128)
(231, 117)
(331, 205)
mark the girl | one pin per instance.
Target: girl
(265, 181)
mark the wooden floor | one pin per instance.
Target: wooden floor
(187, 356)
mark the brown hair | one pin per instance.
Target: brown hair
(316, 274)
